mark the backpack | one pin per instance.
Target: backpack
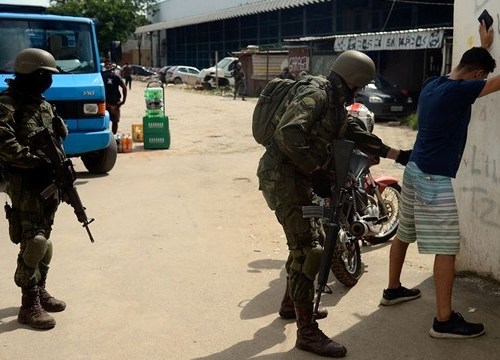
(272, 102)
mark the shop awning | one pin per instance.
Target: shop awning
(428, 38)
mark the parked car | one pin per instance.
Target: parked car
(182, 74)
(385, 99)
(224, 69)
(140, 70)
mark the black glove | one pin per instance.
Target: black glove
(403, 157)
(321, 183)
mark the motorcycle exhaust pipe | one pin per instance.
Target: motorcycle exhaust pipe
(359, 228)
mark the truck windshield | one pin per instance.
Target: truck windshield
(69, 42)
(224, 62)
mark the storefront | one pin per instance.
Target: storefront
(405, 57)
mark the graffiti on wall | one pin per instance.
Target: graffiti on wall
(484, 206)
(298, 63)
(398, 40)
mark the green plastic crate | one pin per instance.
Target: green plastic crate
(156, 140)
(154, 123)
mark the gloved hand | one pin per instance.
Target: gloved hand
(403, 157)
(321, 183)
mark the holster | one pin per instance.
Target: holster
(15, 229)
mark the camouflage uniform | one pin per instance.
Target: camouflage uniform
(312, 118)
(26, 175)
(239, 82)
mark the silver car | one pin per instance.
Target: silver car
(182, 74)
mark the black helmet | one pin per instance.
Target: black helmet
(355, 67)
(33, 59)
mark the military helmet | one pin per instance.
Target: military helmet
(32, 59)
(355, 67)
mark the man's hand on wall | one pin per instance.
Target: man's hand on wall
(486, 35)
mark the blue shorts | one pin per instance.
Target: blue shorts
(428, 212)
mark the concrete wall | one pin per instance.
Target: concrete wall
(477, 184)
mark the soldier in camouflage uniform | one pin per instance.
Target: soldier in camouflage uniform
(23, 110)
(239, 82)
(296, 165)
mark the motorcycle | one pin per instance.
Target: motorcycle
(369, 214)
(369, 209)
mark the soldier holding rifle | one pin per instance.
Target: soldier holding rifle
(296, 163)
(29, 177)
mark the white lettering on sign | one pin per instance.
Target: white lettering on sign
(298, 63)
(429, 39)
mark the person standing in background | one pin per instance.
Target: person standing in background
(127, 75)
(114, 100)
(239, 82)
(286, 74)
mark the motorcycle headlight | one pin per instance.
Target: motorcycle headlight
(375, 99)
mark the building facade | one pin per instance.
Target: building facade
(192, 32)
(476, 185)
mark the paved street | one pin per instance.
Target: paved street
(188, 261)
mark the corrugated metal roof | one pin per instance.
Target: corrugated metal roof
(237, 11)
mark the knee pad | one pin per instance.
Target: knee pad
(307, 261)
(36, 250)
(48, 254)
(312, 262)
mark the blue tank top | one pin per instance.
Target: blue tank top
(444, 112)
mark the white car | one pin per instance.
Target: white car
(182, 74)
(224, 69)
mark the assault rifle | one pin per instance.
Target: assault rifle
(41, 140)
(330, 214)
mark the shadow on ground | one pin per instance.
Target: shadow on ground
(398, 332)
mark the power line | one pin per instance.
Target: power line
(388, 15)
(421, 2)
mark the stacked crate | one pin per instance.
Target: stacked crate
(155, 127)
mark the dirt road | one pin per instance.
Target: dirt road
(188, 261)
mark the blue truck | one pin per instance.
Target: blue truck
(77, 90)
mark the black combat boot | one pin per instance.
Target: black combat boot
(311, 338)
(287, 308)
(32, 313)
(48, 302)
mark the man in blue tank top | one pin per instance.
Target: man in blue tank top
(428, 212)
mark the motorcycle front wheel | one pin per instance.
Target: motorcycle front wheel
(391, 200)
(346, 264)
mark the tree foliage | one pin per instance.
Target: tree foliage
(116, 20)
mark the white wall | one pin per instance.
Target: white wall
(176, 9)
(478, 182)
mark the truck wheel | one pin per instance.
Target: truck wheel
(102, 161)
